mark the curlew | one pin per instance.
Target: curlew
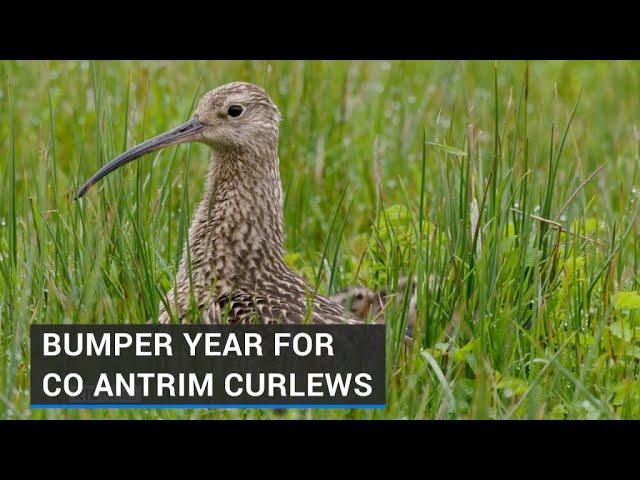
(236, 270)
(364, 303)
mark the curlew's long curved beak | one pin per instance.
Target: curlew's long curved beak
(188, 132)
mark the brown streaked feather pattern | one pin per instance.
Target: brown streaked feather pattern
(233, 265)
(366, 304)
(241, 306)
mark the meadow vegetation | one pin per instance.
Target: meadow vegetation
(507, 188)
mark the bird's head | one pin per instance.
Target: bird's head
(237, 116)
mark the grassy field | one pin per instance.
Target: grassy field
(512, 185)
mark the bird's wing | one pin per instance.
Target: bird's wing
(243, 306)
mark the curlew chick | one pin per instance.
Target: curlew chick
(235, 246)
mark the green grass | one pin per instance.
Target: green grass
(479, 175)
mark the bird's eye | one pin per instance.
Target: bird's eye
(234, 110)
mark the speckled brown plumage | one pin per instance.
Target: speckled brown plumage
(232, 268)
(365, 304)
(236, 237)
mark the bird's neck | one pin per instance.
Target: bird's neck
(237, 232)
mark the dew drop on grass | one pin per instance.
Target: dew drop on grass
(2, 222)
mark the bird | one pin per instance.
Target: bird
(233, 269)
(369, 305)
